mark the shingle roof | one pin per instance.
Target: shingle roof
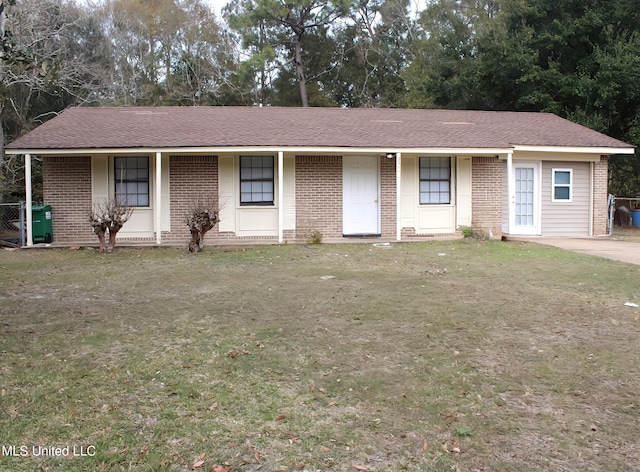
(177, 127)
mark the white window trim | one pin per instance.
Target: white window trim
(273, 204)
(451, 182)
(554, 186)
(113, 175)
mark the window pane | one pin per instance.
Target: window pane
(131, 176)
(561, 193)
(562, 177)
(256, 179)
(435, 180)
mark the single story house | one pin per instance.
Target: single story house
(280, 174)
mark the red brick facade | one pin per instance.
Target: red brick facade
(318, 196)
(319, 206)
(486, 194)
(388, 205)
(66, 183)
(190, 178)
(600, 196)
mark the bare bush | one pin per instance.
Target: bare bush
(204, 215)
(109, 216)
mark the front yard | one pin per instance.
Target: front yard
(454, 355)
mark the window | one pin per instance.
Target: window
(256, 180)
(561, 185)
(131, 176)
(435, 180)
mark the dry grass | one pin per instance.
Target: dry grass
(626, 233)
(437, 356)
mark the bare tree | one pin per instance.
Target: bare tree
(109, 216)
(204, 215)
(50, 58)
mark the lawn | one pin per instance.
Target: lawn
(435, 356)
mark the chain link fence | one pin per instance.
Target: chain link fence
(12, 224)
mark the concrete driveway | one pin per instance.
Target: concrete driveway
(625, 251)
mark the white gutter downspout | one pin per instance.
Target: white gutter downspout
(158, 203)
(398, 196)
(280, 196)
(29, 191)
(511, 192)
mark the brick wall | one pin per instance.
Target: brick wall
(388, 205)
(600, 196)
(66, 183)
(189, 178)
(318, 196)
(486, 194)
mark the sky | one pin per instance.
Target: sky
(217, 5)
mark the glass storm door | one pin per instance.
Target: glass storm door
(527, 206)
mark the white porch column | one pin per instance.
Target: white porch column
(398, 196)
(511, 192)
(280, 196)
(158, 198)
(29, 203)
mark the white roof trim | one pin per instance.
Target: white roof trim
(327, 150)
(576, 149)
(261, 149)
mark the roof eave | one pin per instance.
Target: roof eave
(260, 149)
(600, 150)
(476, 151)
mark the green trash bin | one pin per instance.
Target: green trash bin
(42, 225)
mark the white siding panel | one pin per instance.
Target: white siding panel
(408, 192)
(463, 187)
(99, 178)
(257, 222)
(226, 190)
(566, 218)
(140, 225)
(435, 219)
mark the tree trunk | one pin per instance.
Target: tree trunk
(112, 240)
(196, 241)
(102, 241)
(302, 81)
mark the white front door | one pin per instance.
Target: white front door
(360, 194)
(526, 217)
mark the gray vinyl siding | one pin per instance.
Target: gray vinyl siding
(566, 218)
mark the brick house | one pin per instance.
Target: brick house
(281, 173)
